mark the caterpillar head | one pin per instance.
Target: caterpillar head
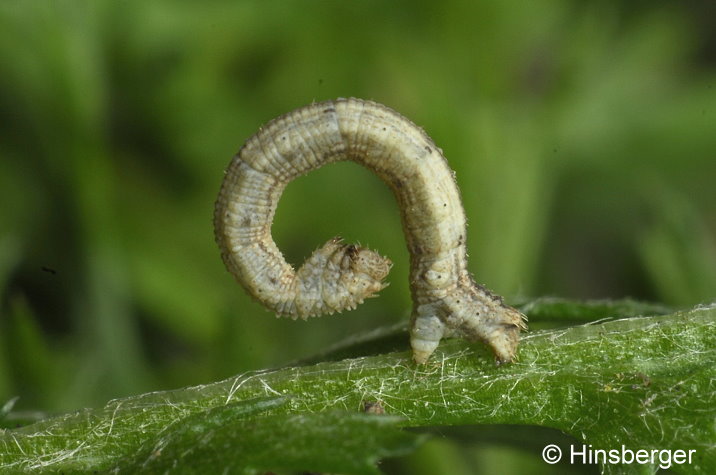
(363, 270)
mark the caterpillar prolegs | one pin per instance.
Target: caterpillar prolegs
(339, 276)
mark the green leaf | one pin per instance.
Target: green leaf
(559, 309)
(336, 442)
(642, 382)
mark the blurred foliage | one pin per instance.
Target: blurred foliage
(582, 134)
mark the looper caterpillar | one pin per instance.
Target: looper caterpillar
(338, 276)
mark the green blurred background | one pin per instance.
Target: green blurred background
(583, 135)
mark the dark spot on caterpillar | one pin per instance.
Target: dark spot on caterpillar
(272, 280)
(398, 183)
(383, 129)
(246, 221)
(328, 110)
(489, 294)
(262, 246)
(351, 251)
(444, 205)
(428, 149)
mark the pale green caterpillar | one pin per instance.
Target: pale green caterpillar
(338, 276)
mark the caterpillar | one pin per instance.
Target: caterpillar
(338, 276)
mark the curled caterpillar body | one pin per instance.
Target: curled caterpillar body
(338, 276)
